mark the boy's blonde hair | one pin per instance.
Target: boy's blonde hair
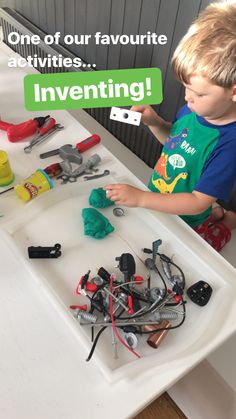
(209, 47)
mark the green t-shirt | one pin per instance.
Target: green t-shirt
(183, 157)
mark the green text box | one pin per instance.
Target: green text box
(93, 89)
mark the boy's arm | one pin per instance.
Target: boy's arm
(157, 125)
(160, 129)
(176, 203)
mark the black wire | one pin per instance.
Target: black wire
(166, 328)
(92, 333)
(100, 287)
(95, 343)
(174, 264)
(143, 313)
(180, 270)
(96, 340)
(137, 332)
(153, 306)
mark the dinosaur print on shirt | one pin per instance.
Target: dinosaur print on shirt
(183, 157)
(173, 141)
(160, 167)
(165, 187)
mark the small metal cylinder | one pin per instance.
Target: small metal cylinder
(166, 269)
(165, 315)
(84, 315)
(155, 339)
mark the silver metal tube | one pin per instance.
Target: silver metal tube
(121, 324)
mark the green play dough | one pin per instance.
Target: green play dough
(98, 199)
(95, 224)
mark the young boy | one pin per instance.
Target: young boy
(198, 161)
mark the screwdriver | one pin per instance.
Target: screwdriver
(81, 146)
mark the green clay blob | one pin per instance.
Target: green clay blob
(95, 224)
(98, 199)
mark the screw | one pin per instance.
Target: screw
(80, 314)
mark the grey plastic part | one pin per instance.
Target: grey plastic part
(67, 152)
(150, 264)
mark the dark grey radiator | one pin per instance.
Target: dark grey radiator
(138, 139)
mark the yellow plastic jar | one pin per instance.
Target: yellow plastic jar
(34, 185)
(6, 174)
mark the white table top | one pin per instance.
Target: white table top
(43, 369)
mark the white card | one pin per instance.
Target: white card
(126, 116)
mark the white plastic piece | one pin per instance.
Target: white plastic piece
(126, 116)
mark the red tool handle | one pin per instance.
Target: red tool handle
(28, 128)
(4, 125)
(20, 131)
(88, 143)
(49, 124)
(53, 170)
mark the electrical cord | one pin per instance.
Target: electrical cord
(168, 260)
(162, 278)
(140, 332)
(114, 326)
(95, 343)
(166, 328)
(155, 305)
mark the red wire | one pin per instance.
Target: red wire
(113, 323)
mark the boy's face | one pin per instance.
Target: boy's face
(208, 100)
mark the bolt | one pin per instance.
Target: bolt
(80, 314)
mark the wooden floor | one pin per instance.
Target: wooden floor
(162, 408)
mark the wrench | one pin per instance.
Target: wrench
(105, 173)
(39, 140)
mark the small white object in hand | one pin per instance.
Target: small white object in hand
(126, 116)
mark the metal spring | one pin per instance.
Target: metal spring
(165, 315)
(80, 314)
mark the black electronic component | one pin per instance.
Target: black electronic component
(146, 250)
(96, 304)
(178, 289)
(136, 304)
(104, 274)
(164, 257)
(41, 252)
(130, 329)
(126, 265)
(85, 279)
(200, 293)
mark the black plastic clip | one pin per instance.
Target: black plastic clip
(41, 252)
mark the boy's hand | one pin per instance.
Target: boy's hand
(149, 116)
(123, 194)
